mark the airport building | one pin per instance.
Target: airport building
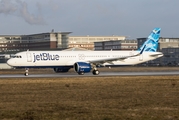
(50, 41)
(88, 42)
(171, 56)
(42, 41)
(116, 45)
(163, 43)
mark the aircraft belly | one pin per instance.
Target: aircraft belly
(49, 63)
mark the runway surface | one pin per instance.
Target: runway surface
(91, 75)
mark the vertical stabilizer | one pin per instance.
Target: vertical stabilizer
(151, 44)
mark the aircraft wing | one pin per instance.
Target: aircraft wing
(109, 60)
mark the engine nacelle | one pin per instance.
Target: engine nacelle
(61, 69)
(82, 67)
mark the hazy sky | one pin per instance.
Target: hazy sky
(134, 18)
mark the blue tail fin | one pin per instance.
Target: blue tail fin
(151, 44)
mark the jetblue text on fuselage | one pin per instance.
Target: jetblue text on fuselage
(45, 57)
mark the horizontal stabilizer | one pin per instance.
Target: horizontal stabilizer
(155, 55)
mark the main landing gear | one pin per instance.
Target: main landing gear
(95, 71)
(26, 72)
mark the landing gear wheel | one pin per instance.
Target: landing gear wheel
(26, 74)
(95, 72)
(81, 73)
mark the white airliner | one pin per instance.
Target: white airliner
(86, 61)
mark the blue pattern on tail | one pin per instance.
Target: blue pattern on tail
(152, 41)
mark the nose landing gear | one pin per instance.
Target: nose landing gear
(26, 72)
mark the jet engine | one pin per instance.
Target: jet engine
(82, 67)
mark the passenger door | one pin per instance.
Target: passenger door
(29, 57)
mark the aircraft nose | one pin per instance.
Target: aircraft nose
(10, 62)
